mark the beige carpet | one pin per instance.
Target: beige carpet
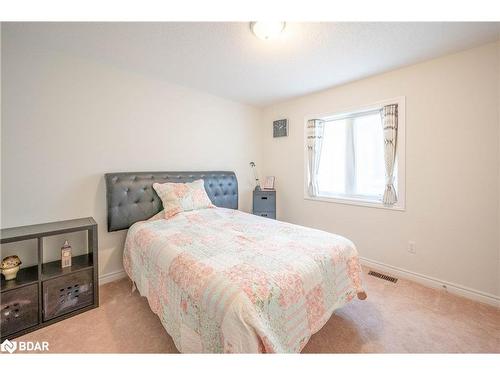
(396, 318)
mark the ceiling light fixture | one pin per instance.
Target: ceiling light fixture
(267, 30)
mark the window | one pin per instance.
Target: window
(351, 162)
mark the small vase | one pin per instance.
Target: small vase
(10, 273)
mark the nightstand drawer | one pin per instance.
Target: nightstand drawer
(264, 201)
(268, 214)
(19, 309)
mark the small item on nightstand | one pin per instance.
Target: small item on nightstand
(66, 255)
(257, 183)
(10, 266)
(268, 183)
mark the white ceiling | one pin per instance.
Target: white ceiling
(227, 60)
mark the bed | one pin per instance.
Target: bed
(222, 280)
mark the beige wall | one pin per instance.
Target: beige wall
(452, 164)
(66, 121)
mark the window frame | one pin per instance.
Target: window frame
(400, 205)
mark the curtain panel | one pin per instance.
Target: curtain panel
(315, 131)
(389, 114)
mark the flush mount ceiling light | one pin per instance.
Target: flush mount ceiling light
(267, 30)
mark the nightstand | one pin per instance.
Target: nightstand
(264, 203)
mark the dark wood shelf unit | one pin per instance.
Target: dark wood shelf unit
(39, 291)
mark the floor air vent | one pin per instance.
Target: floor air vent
(382, 276)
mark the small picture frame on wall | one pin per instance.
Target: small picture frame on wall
(280, 128)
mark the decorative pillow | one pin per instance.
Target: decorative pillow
(178, 197)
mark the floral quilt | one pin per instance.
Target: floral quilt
(225, 281)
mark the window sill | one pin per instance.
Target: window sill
(399, 206)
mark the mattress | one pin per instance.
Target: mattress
(223, 281)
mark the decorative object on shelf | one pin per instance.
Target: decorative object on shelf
(66, 255)
(280, 128)
(10, 266)
(257, 183)
(268, 183)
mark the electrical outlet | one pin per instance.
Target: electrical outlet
(412, 248)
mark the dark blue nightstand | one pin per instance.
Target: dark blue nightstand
(264, 203)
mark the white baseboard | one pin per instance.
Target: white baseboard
(432, 282)
(112, 276)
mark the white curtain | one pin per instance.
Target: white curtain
(315, 131)
(389, 115)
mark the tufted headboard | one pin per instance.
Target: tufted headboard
(130, 195)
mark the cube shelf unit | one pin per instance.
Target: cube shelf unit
(46, 293)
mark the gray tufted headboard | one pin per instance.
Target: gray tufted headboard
(130, 195)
